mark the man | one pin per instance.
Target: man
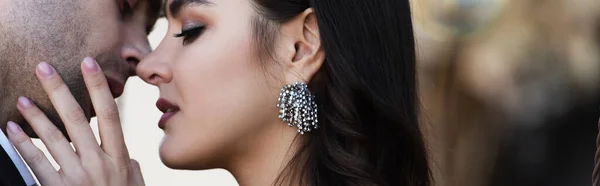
(62, 33)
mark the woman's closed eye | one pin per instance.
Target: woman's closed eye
(189, 35)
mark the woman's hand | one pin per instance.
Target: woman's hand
(90, 164)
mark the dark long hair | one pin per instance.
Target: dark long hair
(366, 94)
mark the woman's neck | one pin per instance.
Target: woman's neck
(266, 156)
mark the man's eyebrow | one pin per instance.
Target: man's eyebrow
(154, 12)
(154, 8)
(176, 5)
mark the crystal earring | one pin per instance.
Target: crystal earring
(297, 107)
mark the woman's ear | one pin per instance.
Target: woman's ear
(303, 42)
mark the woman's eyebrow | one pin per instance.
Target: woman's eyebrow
(176, 5)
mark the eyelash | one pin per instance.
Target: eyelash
(191, 34)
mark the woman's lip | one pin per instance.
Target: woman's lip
(164, 105)
(164, 118)
(169, 109)
(116, 87)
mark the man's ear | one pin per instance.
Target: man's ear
(302, 44)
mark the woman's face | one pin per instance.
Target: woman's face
(217, 95)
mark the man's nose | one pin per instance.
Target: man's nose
(133, 53)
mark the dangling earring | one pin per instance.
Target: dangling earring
(297, 107)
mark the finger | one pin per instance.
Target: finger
(55, 141)
(109, 124)
(68, 109)
(136, 177)
(34, 157)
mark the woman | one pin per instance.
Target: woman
(234, 74)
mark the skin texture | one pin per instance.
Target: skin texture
(62, 33)
(227, 97)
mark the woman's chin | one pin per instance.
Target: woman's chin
(172, 160)
(171, 157)
(181, 162)
(172, 164)
(177, 157)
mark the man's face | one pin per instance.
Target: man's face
(62, 33)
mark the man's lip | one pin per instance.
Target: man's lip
(116, 87)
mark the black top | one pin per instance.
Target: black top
(9, 174)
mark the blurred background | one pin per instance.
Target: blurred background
(509, 91)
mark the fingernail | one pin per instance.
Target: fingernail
(45, 69)
(90, 65)
(13, 128)
(24, 102)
